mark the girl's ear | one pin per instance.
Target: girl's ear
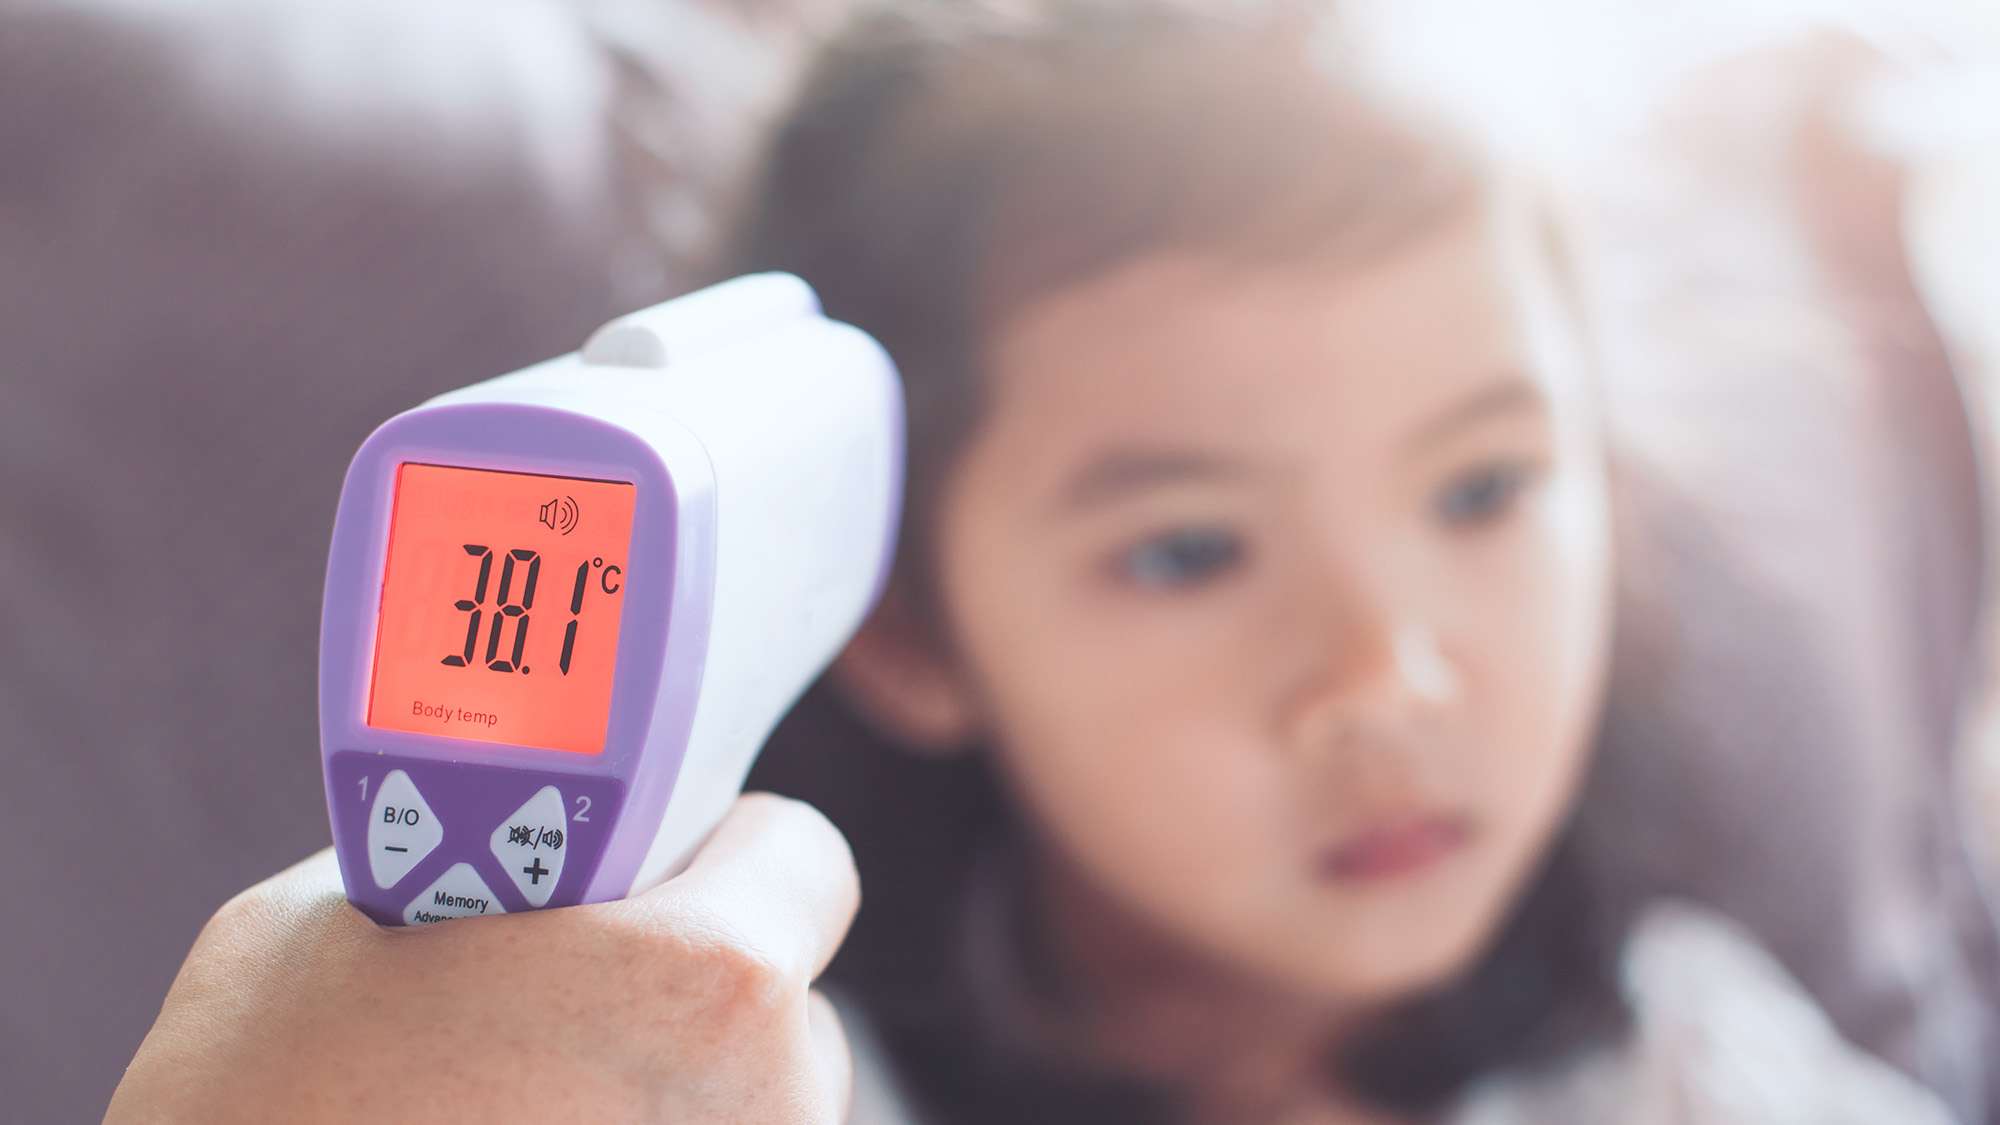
(895, 672)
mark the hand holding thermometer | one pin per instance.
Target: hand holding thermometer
(565, 607)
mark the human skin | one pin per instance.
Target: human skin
(688, 1003)
(1281, 594)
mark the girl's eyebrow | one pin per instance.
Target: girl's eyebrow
(1121, 472)
(1509, 394)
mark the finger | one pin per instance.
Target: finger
(831, 1052)
(307, 897)
(254, 938)
(777, 875)
(308, 882)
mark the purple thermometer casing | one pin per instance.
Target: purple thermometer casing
(613, 800)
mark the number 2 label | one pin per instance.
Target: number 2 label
(582, 809)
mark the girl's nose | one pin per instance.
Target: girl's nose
(1373, 672)
(1422, 665)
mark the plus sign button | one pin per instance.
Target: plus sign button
(531, 843)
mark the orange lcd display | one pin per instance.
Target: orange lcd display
(500, 607)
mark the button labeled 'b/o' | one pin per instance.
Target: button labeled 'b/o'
(401, 830)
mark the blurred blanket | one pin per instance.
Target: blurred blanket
(214, 282)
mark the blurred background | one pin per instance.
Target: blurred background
(235, 235)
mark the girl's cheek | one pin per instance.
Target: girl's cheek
(1541, 639)
(1130, 734)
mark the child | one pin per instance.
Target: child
(1240, 675)
(1258, 568)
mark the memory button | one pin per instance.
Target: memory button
(458, 893)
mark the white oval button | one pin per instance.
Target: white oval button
(401, 830)
(531, 844)
(458, 893)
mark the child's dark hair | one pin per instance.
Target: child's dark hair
(945, 164)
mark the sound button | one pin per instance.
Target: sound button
(530, 845)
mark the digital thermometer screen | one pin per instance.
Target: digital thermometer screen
(500, 607)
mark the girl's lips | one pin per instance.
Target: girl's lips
(1394, 849)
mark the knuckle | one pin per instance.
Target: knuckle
(741, 988)
(705, 962)
(747, 976)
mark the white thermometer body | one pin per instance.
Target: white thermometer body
(565, 607)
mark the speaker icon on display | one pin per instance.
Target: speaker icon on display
(561, 514)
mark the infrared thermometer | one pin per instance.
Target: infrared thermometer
(565, 607)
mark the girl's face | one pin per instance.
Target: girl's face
(1281, 593)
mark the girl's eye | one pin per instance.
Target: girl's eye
(1180, 558)
(1482, 496)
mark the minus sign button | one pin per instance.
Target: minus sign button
(393, 848)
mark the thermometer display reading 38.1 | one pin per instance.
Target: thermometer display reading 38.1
(500, 607)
